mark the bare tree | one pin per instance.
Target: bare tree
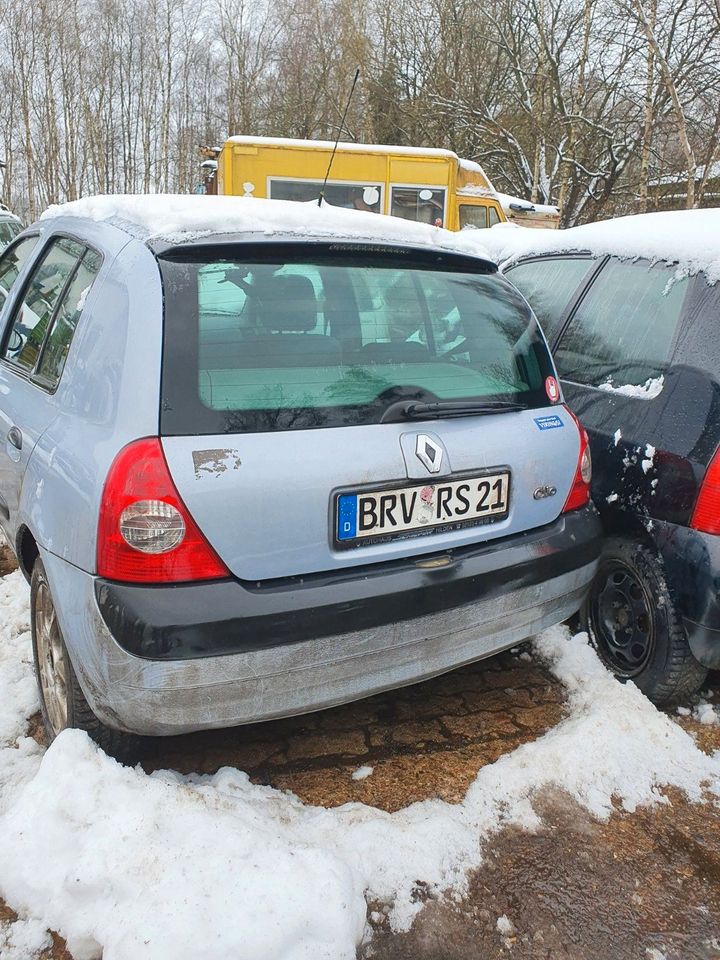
(586, 103)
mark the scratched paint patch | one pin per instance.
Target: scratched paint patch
(215, 462)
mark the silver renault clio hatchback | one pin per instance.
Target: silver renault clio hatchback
(252, 471)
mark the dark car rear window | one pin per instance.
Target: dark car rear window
(299, 336)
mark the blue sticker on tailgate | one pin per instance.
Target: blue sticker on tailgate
(347, 516)
(548, 423)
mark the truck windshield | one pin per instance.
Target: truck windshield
(304, 336)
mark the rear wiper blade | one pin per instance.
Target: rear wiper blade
(417, 410)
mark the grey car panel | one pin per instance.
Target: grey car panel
(265, 503)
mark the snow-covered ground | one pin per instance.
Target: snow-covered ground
(167, 866)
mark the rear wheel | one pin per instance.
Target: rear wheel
(632, 622)
(62, 701)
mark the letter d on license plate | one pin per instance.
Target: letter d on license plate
(401, 511)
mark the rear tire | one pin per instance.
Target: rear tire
(62, 701)
(634, 626)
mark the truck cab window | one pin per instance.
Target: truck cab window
(474, 216)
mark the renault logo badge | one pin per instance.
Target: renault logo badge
(428, 453)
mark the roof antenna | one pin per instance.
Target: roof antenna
(321, 197)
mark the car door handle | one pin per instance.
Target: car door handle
(15, 437)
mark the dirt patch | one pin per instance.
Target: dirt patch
(424, 741)
(8, 563)
(582, 890)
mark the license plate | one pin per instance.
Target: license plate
(401, 511)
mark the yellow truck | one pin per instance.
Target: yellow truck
(430, 186)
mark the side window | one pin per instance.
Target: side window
(12, 263)
(494, 216)
(353, 196)
(8, 230)
(33, 314)
(57, 344)
(623, 329)
(423, 204)
(548, 285)
(473, 215)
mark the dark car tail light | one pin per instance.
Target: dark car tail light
(579, 495)
(706, 515)
(145, 532)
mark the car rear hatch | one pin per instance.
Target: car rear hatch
(329, 405)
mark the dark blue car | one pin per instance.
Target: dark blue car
(631, 310)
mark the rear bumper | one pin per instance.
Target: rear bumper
(692, 567)
(221, 654)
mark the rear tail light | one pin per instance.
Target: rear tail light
(145, 531)
(706, 515)
(579, 495)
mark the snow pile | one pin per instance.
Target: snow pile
(649, 390)
(176, 218)
(649, 459)
(23, 939)
(685, 237)
(362, 773)
(19, 754)
(706, 713)
(165, 866)
(505, 926)
(527, 206)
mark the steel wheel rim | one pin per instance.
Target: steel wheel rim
(51, 658)
(622, 618)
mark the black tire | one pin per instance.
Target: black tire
(632, 622)
(77, 712)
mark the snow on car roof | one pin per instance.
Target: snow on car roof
(179, 218)
(689, 238)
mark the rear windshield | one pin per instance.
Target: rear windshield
(325, 336)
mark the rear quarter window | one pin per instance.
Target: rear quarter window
(12, 262)
(9, 229)
(698, 343)
(549, 285)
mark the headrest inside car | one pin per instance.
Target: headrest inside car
(286, 304)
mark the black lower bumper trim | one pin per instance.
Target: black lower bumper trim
(232, 616)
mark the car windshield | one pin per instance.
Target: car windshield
(309, 336)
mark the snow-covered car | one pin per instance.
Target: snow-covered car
(261, 458)
(630, 308)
